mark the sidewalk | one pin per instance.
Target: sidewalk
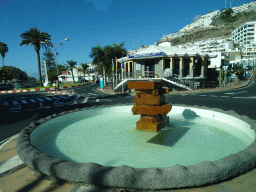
(16, 176)
(107, 89)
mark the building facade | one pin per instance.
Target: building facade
(245, 34)
(164, 60)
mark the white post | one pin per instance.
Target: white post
(104, 76)
(116, 72)
(113, 81)
(46, 76)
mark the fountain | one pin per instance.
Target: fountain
(105, 146)
(150, 104)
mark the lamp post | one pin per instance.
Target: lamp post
(56, 54)
(193, 68)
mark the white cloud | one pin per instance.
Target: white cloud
(100, 4)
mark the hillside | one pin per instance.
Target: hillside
(221, 26)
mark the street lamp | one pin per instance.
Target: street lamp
(56, 54)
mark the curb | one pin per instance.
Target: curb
(43, 89)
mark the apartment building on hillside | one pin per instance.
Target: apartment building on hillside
(245, 34)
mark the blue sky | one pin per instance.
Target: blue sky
(90, 22)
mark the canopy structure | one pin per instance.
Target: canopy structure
(164, 51)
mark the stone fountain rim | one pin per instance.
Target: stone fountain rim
(203, 173)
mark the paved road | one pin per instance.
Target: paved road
(24, 108)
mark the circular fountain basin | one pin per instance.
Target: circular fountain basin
(101, 146)
(109, 137)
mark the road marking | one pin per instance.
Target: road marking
(24, 101)
(233, 93)
(56, 98)
(48, 98)
(184, 94)
(77, 97)
(97, 100)
(213, 95)
(224, 96)
(202, 95)
(63, 97)
(15, 103)
(32, 100)
(238, 97)
(57, 103)
(251, 97)
(85, 100)
(91, 94)
(39, 99)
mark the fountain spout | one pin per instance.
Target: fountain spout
(150, 104)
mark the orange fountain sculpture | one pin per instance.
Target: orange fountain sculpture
(150, 104)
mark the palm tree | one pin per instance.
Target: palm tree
(84, 68)
(3, 51)
(36, 38)
(99, 56)
(71, 64)
(105, 55)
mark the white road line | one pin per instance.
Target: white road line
(48, 98)
(85, 100)
(233, 93)
(106, 99)
(238, 97)
(56, 98)
(24, 101)
(32, 100)
(39, 99)
(224, 96)
(91, 94)
(184, 94)
(202, 95)
(15, 103)
(63, 97)
(77, 97)
(213, 95)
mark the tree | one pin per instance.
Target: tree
(83, 69)
(9, 73)
(71, 64)
(102, 57)
(48, 57)
(3, 51)
(36, 38)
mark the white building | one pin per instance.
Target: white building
(245, 34)
(210, 45)
(220, 60)
(90, 75)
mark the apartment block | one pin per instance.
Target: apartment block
(245, 34)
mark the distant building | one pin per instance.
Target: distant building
(222, 59)
(90, 75)
(245, 34)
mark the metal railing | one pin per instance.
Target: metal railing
(179, 80)
(162, 74)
